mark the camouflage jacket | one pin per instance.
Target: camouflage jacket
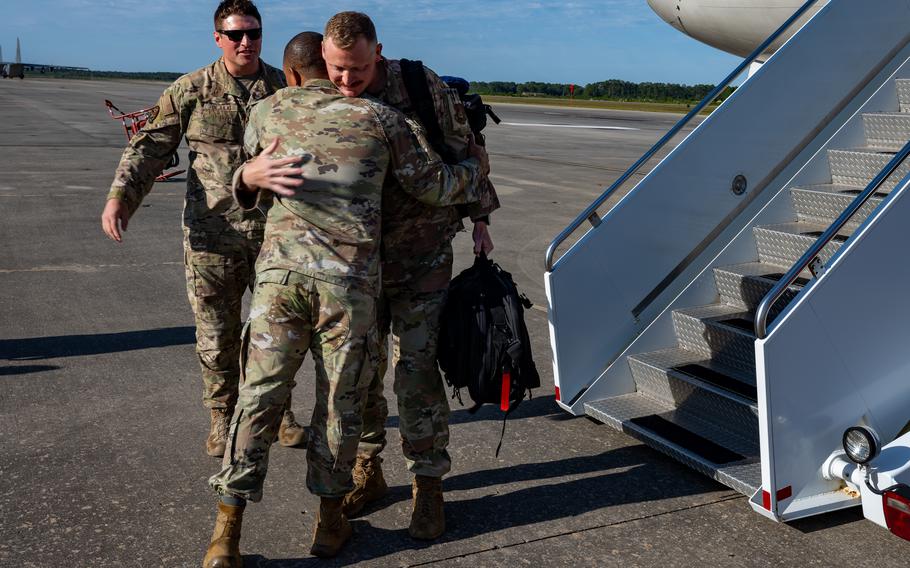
(355, 152)
(210, 109)
(411, 228)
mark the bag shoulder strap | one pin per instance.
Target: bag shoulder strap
(415, 82)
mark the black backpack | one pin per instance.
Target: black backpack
(483, 340)
(476, 110)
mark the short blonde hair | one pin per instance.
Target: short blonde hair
(344, 28)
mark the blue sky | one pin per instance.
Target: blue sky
(483, 40)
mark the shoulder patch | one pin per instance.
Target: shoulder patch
(167, 107)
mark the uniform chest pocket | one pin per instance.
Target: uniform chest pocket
(219, 123)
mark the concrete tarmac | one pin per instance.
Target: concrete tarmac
(102, 430)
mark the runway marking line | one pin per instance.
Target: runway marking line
(84, 268)
(587, 126)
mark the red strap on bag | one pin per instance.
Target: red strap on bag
(506, 387)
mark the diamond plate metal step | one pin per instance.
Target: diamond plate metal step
(824, 203)
(785, 243)
(743, 286)
(686, 381)
(887, 130)
(858, 167)
(697, 402)
(903, 94)
(633, 413)
(703, 330)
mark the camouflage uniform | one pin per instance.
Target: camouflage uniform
(416, 269)
(221, 240)
(318, 273)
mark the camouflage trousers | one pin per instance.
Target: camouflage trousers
(215, 284)
(291, 314)
(413, 295)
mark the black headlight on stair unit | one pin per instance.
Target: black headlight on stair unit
(861, 444)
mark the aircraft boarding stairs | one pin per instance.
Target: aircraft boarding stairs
(697, 401)
(652, 311)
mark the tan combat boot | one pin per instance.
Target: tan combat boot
(217, 440)
(224, 550)
(428, 519)
(369, 485)
(332, 528)
(290, 433)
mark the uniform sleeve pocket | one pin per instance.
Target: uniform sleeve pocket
(456, 118)
(162, 115)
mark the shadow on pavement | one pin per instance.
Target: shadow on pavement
(643, 478)
(26, 369)
(536, 407)
(78, 345)
(828, 520)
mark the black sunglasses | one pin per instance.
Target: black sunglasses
(237, 35)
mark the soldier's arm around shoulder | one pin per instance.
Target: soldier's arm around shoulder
(263, 170)
(149, 151)
(420, 171)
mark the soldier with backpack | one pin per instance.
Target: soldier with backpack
(416, 269)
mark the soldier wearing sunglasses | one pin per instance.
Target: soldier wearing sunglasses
(209, 107)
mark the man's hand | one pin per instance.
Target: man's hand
(477, 151)
(483, 243)
(114, 218)
(275, 175)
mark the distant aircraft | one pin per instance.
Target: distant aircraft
(734, 26)
(17, 68)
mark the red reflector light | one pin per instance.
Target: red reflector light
(897, 514)
(785, 493)
(506, 389)
(557, 393)
(766, 500)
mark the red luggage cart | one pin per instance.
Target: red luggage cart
(133, 122)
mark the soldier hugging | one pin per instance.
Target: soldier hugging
(353, 250)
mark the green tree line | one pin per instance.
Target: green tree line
(74, 74)
(613, 89)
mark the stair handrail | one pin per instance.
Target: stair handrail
(808, 259)
(590, 213)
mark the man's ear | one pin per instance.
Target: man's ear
(378, 52)
(292, 77)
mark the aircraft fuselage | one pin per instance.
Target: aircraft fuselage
(734, 26)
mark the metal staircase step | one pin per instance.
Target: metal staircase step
(824, 203)
(858, 167)
(785, 243)
(723, 454)
(744, 285)
(887, 130)
(903, 94)
(685, 380)
(720, 333)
